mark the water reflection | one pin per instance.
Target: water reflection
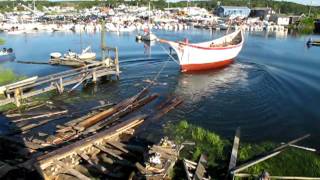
(195, 87)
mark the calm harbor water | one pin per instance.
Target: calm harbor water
(272, 90)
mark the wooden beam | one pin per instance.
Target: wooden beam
(201, 168)
(234, 152)
(106, 150)
(253, 162)
(244, 175)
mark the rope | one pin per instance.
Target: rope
(162, 68)
(164, 49)
(157, 75)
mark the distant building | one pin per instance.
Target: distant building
(295, 19)
(2, 17)
(233, 11)
(317, 26)
(280, 19)
(263, 13)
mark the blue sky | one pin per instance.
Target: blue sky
(314, 2)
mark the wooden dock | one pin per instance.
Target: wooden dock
(24, 89)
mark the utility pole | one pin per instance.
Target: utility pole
(310, 8)
(103, 40)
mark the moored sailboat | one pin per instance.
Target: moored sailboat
(208, 55)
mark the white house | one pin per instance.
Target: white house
(280, 19)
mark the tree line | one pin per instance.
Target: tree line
(278, 6)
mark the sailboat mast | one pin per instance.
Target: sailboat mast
(149, 16)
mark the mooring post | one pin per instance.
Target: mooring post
(94, 76)
(117, 64)
(16, 97)
(103, 41)
(61, 86)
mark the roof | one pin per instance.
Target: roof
(235, 7)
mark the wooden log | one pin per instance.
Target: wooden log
(244, 175)
(100, 116)
(234, 152)
(41, 116)
(121, 113)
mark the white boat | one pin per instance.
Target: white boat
(208, 55)
(16, 32)
(87, 54)
(7, 55)
(55, 55)
(147, 36)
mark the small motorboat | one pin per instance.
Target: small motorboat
(213, 54)
(86, 54)
(55, 55)
(311, 42)
(7, 54)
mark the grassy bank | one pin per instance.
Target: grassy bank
(8, 76)
(291, 162)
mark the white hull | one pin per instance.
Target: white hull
(207, 55)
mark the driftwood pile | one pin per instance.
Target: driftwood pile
(159, 160)
(96, 142)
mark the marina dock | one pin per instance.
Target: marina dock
(35, 86)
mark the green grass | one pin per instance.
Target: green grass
(290, 162)
(8, 76)
(2, 41)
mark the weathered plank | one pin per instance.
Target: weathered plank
(234, 152)
(87, 143)
(201, 168)
(244, 175)
(106, 150)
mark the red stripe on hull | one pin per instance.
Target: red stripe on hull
(206, 66)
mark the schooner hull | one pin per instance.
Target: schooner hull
(207, 55)
(205, 66)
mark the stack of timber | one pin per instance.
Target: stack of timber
(87, 151)
(96, 141)
(159, 160)
(196, 171)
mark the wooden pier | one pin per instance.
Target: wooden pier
(34, 86)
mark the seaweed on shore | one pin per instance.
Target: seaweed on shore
(290, 162)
